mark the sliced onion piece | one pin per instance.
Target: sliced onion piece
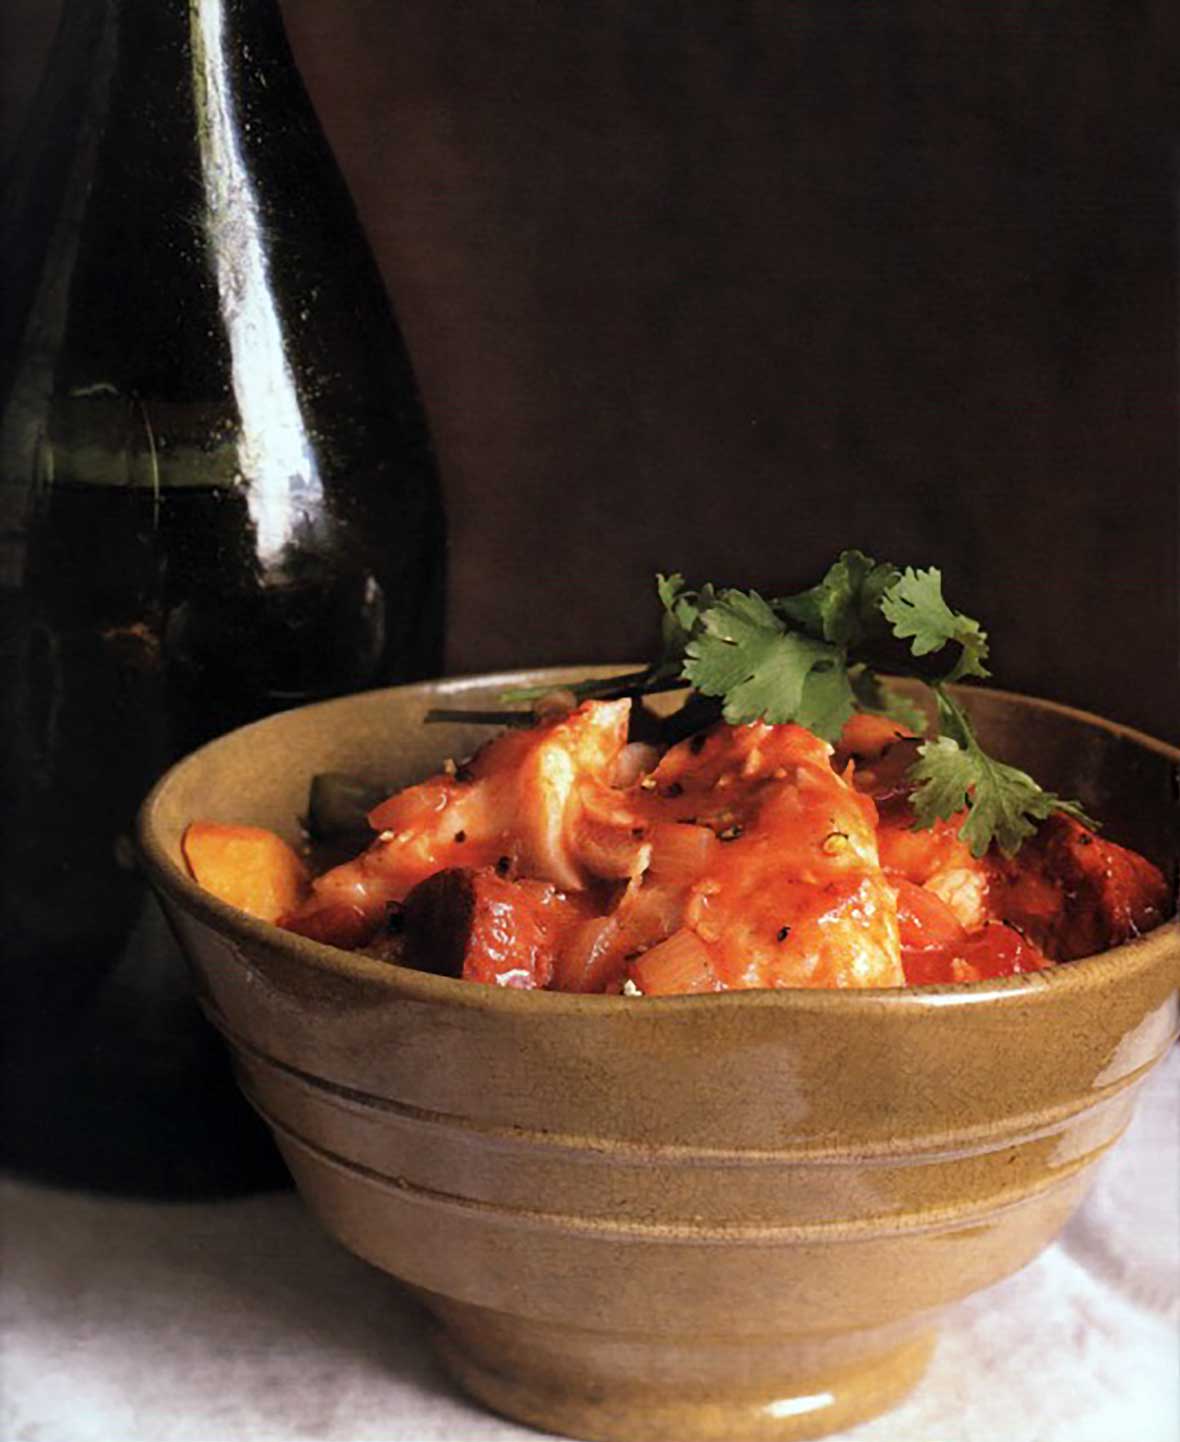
(649, 913)
(632, 762)
(681, 852)
(610, 851)
(679, 965)
(589, 959)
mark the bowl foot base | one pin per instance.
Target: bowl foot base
(576, 1399)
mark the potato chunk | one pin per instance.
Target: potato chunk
(246, 866)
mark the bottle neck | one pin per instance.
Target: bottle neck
(144, 224)
(257, 16)
(158, 50)
(128, 75)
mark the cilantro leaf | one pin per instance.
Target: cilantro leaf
(681, 613)
(845, 606)
(746, 655)
(683, 618)
(827, 700)
(1003, 803)
(739, 633)
(914, 605)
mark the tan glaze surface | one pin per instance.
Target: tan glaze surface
(732, 1217)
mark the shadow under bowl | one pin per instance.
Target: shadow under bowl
(724, 1217)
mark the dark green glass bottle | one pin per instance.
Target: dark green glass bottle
(217, 499)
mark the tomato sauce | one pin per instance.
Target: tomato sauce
(745, 857)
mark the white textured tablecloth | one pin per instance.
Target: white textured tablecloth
(242, 1322)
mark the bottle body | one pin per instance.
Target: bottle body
(217, 496)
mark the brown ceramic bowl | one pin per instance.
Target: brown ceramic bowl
(733, 1217)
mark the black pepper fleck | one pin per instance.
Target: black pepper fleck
(503, 866)
(460, 837)
(783, 933)
(672, 790)
(731, 833)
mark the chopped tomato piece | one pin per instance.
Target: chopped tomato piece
(919, 855)
(865, 737)
(995, 950)
(924, 920)
(336, 923)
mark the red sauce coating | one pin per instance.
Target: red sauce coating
(747, 857)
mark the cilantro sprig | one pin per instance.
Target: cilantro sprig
(954, 772)
(814, 658)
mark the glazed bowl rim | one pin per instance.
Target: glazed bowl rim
(1054, 981)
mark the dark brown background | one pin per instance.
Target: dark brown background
(724, 287)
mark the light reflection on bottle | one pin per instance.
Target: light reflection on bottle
(275, 456)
